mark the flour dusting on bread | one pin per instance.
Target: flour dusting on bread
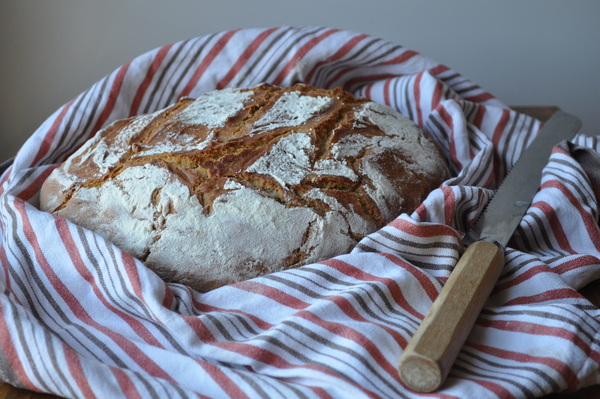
(242, 182)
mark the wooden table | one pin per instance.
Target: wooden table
(591, 291)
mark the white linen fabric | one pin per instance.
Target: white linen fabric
(80, 318)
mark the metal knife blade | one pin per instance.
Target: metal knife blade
(505, 211)
(431, 352)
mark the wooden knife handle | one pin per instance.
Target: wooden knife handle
(426, 361)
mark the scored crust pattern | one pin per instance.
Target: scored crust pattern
(243, 182)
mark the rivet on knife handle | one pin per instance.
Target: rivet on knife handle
(428, 357)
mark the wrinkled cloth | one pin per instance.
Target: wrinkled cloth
(80, 318)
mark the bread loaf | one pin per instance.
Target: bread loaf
(242, 182)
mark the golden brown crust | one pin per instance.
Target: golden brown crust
(234, 153)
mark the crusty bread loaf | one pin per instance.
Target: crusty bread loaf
(243, 182)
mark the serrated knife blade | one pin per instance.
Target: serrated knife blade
(431, 352)
(505, 211)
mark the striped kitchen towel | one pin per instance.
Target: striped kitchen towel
(81, 318)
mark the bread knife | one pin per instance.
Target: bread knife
(431, 352)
